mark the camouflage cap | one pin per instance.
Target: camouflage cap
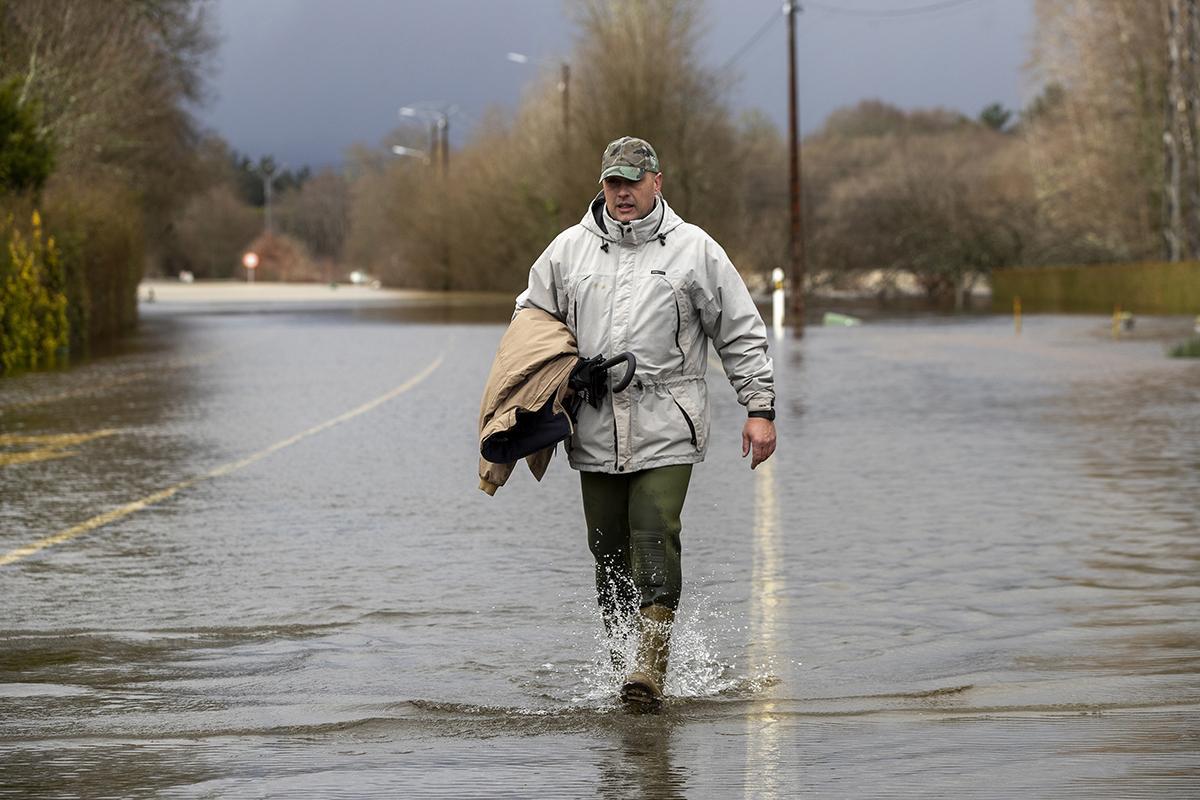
(628, 157)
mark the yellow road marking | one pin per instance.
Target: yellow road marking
(162, 494)
(53, 445)
(52, 439)
(33, 456)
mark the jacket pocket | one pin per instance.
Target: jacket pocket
(691, 425)
(573, 310)
(577, 314)
(689, 408)
(662, 277)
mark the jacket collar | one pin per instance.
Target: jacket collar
(659, 222)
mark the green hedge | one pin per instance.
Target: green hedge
(1143, 288)
(69, 273)
(99, 233)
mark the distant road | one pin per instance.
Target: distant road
(173, 291)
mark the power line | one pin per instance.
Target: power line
(910, 11)
(753, 40)
(885, 13)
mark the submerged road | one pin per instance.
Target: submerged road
(244, 555)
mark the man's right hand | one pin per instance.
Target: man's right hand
(758, 435)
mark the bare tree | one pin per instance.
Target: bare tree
(115, 80)
(318, 214)
(926, 192)
(516, 185)
(1181, 130)
(1097, 154)
(1176, 133)
(658, 89)
(213, 230)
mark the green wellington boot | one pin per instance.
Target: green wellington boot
(644, 686)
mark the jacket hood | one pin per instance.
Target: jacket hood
(658, 223)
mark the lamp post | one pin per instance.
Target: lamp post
(268, 170)
(564, 85)
(439, 131)
(439, 138)
(563, 184)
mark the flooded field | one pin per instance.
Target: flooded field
(245, 556)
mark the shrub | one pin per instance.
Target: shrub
(34, 330)
(101, 239)
(1188, 348)
(282, 258)
(212, 232)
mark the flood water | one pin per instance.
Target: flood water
(972, 569)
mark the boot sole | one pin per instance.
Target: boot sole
(640, 697)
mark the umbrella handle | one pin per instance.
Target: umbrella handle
(617, 359)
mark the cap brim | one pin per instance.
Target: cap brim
(628, 173)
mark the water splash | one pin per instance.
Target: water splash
(697, 667)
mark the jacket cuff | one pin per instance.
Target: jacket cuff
(761, 402)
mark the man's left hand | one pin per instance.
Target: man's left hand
(758, 435)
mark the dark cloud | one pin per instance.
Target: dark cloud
(305, 80)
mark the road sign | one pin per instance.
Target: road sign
(250, 262)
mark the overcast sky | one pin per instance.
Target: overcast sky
(305, 79)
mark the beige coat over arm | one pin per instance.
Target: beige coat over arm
(532, 367)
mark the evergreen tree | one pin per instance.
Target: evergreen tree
(26, 156)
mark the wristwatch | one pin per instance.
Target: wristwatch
(767, 413)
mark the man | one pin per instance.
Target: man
(634, 276)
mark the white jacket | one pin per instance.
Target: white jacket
(660, 288)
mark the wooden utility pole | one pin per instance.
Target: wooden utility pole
(444, 127)
(435, 142)
(796, 238)
(564, 88)
(268, 169)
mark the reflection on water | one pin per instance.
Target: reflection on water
(767, 586)
(641, 763)
(970, 570)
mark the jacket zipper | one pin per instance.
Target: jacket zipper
(578, 290)
(612, 315)
(678, 322)
(616, 446)
(687, 419)
(675, 300)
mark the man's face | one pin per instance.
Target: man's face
(629, 200)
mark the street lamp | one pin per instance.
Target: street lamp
(564, 85)
(439, 135)
(400, 150)
(439, 131)
(268, 169)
